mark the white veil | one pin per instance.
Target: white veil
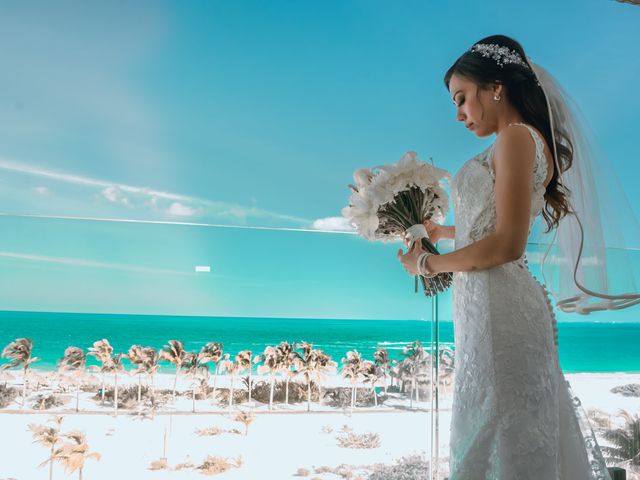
(590, 261)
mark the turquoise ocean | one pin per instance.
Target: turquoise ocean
(584, 347)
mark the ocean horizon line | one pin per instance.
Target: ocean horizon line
(170, 315)
(216, 316)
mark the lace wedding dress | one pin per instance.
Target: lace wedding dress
(514, 416)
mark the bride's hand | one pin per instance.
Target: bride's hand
(434, 230)
(410, 258)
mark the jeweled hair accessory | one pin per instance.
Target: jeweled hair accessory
(501, 54)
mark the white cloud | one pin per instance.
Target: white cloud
(177, 209)
(115, 195)
(41, 190)
(339, 224)
(150, 197)
(85, 181)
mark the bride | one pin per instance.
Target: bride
(514, 416)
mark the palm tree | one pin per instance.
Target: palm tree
(371, 373)
(211, 352)
(150, 365)
(286, 356)
(406, 372)
(625, 441)
(74, 359)
(102, 351)
(73, 454)
(245, 418)
(232, 368)
(306, 365)
(352, 370)
(243, 359)
(174, 353)
(417, 359)
(192, 366)
(47, 437)
(113, 367)
(104, 369)
(270, 364)
(19, 352)
(324, 366)
(381, 357)
(137, 357)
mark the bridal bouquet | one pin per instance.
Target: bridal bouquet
(388, 200)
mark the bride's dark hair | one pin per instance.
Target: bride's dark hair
(528, 98)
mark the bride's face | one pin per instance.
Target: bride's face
(473, 105)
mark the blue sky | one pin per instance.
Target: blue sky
(253, 114)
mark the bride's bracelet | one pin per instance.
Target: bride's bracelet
(421, 265)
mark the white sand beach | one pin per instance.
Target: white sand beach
(287, 442)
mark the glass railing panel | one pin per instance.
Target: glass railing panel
(71, 283)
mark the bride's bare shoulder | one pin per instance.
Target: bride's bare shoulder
(517, 138)
(513, 143)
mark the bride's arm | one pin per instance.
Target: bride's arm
(513, 163)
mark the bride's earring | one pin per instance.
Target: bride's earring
(496, 97)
